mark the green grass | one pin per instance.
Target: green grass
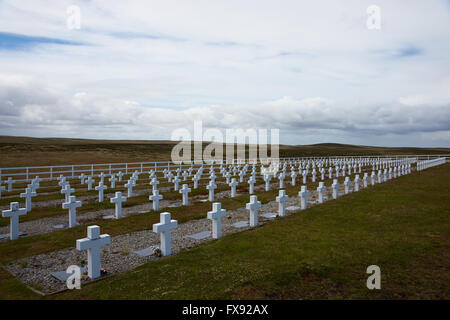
(323, 252)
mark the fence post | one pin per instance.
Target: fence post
(109, 169)
(27, 173)
(126, 168)
(73, 172)
(92, 170)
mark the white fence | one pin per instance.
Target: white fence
(21, 174)
(422, 165)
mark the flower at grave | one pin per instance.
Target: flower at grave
(103, 271)
(157, 252)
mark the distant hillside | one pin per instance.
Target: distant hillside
(25, 151)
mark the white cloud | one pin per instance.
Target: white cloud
(312, 69)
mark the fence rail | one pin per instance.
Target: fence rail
(20, 174)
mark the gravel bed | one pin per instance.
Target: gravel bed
(119, 257)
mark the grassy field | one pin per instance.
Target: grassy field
(23, 151)
(402, 226)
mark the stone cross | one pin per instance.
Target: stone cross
(155, 198)
(67, 191)
(233, 185)
(293, 177)
(164, 228)
(335, 188)
(28, 194)
(176, 182)
(13, 214)
(154, 183)
(253, 207)
(305, 175)
(100, 188)
(82, 178)
(90, 181)
(357, 181)
(227, 177)
(102, 177)
(129, 185)
(347, 184)
(113, 180)
(93, 244)
(118, 199)
(185, 191)
(267, 178)
(72, 204)
(303, 194)
(320, 191)
(10, 182)
(365, 180)
(281, 199)
(251, 183)
(195, 179)
(372, 178)
(216, 216)
(211, 186)
(281, 179)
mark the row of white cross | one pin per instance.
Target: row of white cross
(72, 204)
(95, 241)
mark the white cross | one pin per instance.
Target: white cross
(102, 177)
(305, 175)
(82, 178)
(357, 180)
(195, 179)
(320, 191)
(211, 186)
(267, 178)
(227, 176)
(281, 178)
(330, 173)
(100, 188)
(185, 175)
(303, 194)
(372, 178)
(155, 198)
(120, 175)
(176, 182)
(365, 179)
(13, 214)
(251, 183)
(164, 228)
(241, 176)
(113, 180)
(380, 176)
(154, 183)
(67, 191)
(10, 182)
(335, 188)
(233, 185)
(72, 204)
(322, 174)
(293, 177)
(90, 181)
(28, 194)
(2, 188)
(93, 244)
(347, 184)
(281, 199)
(118, 199)
(253, 207)
(185, 191)
(313, 176)
(131, 183)
(216, 216)
(62, 183)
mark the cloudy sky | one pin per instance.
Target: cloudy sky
(313, 69)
